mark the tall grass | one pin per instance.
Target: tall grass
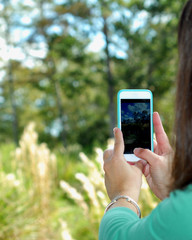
(45, 196)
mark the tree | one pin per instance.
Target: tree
(150, 31)
(8, 24)
(68, 90)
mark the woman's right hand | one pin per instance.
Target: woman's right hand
(157, 168)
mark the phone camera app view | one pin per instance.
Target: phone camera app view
(135, 124)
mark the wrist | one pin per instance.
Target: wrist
(134, 194)
(124, 201)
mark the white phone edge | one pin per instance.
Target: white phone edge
(135, 93)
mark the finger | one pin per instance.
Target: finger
(155, 147)
(107, 154)
(146, 155)
(146, 170)
(140, 164)
(119, 143)
(161, 136)
(154, 144)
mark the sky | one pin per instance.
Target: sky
(96, 45)
(128, 109)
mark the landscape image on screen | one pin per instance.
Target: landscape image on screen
(135, 124)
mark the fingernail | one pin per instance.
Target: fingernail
(131, 163)
(144, 162)
(114, 130)
(136, 150)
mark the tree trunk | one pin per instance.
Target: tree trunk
(13, 104)
(55, 83)
(60, 111)
(10, 78)
(111, 108)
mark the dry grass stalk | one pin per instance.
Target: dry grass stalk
(38, 165)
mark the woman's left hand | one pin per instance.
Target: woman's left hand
(121, 178)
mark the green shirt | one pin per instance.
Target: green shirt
(170, 220)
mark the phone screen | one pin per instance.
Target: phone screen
(135, 124)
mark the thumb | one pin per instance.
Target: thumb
(147, 155)
(119, 143)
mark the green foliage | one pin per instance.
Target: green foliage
(65, 91)
(42, 194)
(62, 86)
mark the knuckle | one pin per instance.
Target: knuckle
(118, 143)
(142, 152)
(106, 166)
(146, 151)
(106, 154)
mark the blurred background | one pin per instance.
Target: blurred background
(62, 63)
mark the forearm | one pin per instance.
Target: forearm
(116, 220)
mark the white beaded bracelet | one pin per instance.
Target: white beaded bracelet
(129, 199)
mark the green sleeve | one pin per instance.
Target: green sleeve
(170, 220)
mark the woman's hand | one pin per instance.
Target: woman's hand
(121, 178)
(158, 167)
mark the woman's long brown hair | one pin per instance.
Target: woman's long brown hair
(182, 162)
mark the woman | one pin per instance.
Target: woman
(169, 175)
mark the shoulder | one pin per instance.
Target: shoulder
(179, 201)
(173, 214)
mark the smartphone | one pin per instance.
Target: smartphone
(135, 112)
